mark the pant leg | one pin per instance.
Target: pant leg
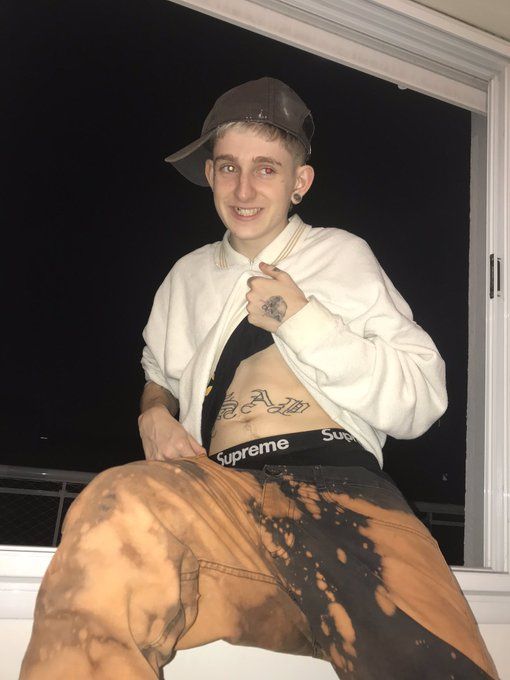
(157, 557)
(378, 595)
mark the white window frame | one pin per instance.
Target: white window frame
(414, 47)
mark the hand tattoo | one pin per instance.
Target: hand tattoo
(275, 307)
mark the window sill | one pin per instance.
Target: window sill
(22, 568)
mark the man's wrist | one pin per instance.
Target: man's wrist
(152, 409)
(297, 308)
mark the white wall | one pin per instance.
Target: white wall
(489, 15)
(220, 661)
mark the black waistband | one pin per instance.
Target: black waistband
(329, 446)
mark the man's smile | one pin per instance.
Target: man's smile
(246, 212)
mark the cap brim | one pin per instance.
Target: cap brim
(190, 160)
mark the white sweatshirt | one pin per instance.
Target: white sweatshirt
(354, 346)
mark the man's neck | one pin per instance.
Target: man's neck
(251, 248)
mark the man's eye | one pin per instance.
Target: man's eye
(267, 171)
(228, 168)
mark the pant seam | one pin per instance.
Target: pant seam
(262, 502)
(402, 527)
(163, 633)
(241, 573)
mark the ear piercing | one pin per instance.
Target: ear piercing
(296, 198)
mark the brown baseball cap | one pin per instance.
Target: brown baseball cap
(266, 100)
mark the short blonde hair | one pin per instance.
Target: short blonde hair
(268, 132)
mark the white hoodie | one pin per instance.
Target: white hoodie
(354, 346)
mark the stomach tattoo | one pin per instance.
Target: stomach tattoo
(260, 400)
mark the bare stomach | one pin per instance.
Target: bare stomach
(264, 399)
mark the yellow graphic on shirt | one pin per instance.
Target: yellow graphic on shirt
(209, 386)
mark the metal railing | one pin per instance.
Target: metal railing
(45, 494)
(33, 503)
(434, 514)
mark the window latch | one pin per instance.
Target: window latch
(494, 276)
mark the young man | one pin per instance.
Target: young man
(262, 515)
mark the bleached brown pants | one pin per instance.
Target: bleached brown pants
(324, 561)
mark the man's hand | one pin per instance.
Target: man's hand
(273, 298)
(164, 438)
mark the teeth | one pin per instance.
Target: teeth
(247, 212)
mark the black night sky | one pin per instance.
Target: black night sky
(95, 94)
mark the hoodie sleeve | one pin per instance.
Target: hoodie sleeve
(376, 362)
(155, 335)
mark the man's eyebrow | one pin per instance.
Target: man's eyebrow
(266, 159)
(259, 159)
(225, 157)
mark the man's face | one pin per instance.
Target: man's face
(253, 180)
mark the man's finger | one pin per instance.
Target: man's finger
(271, 270)
(177, 449)
(253, 279)
(197, 448)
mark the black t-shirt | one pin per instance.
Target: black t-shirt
(245, 340)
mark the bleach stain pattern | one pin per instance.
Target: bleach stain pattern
(380, 600)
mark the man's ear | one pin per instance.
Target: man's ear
(304, 179)
(209, 171)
